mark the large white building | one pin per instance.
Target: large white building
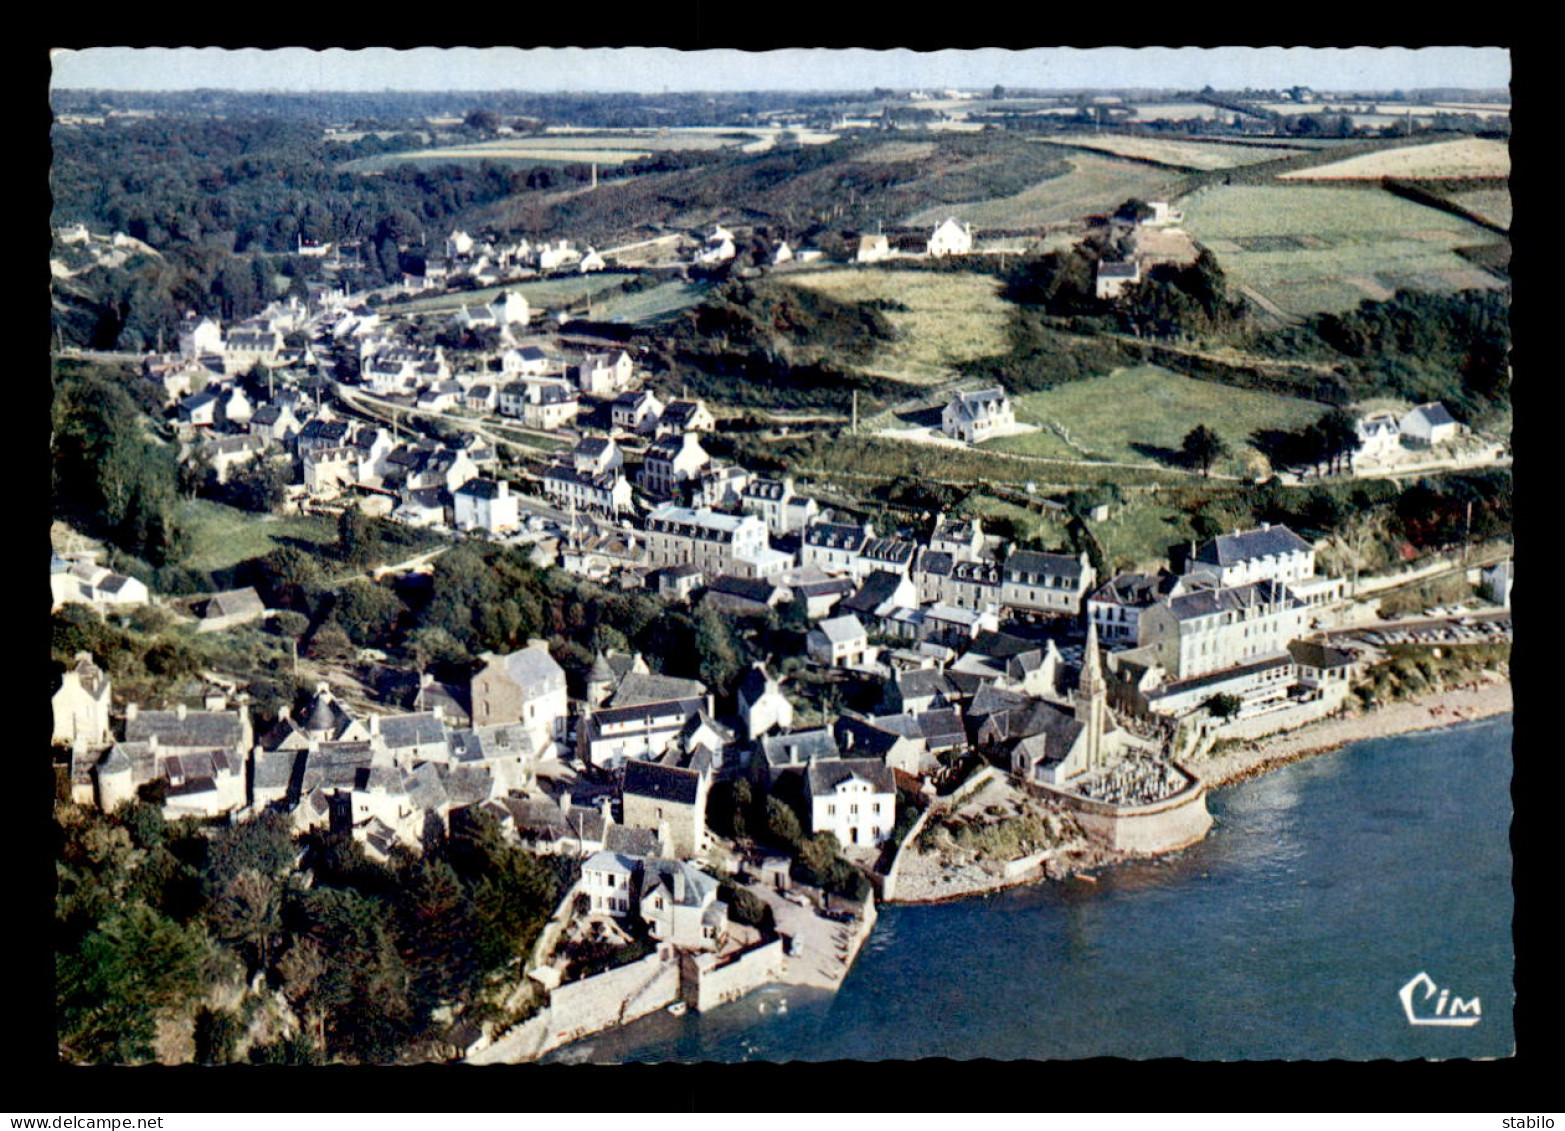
(1209, 630)
(703, 538)
(1268, 552)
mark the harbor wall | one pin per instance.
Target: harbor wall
(710, 982)
(604, 1001)
(1163, 826)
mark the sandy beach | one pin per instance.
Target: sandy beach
(1490, 696)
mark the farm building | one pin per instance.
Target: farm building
(1429, 424)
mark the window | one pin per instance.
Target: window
(831, 810)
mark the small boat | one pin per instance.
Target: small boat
(677, 1009)
(1087, 879)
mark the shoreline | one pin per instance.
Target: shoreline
(1486, 697)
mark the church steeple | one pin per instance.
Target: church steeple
(1091, 704)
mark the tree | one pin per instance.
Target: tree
(136, 965)
(367, 612)
(1224, 705)
(248, 913)
(1203, 447)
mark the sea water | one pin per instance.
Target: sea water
(1323, 889)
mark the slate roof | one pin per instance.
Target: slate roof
(209, 729)
(468, 785)
(1067, 566)
(420, 729)
(1210, 679)
(1133, 590)
(1268, 541)
(835, 536)
(532, 670)
(878, 588)
(635, 843)
(610, 860)
(750, 588)
(479, 489)
(892, 550)
(824, 777)
(1315, 654)
(658, 874)
(1435, 413)
(753, 686)
(638, 688)
(840, 630)
(799, 747)
(936, 562)
(1210, 602)
(921, 682)
(663, 783)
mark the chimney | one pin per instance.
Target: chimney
(131, 710)
(374, 726)
(323, 688)
(285, 713)
(152, 742)
(679, 885)
(180, 711)
(216, 703)
(565, 802)
(606, 805)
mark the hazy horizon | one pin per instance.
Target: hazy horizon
(653, 70)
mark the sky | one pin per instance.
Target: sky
(654, 69)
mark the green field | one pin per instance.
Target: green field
(651, 305)
(541, 294)
(951, 317)
(1308, 249)
(222, 536)
(1176, 153)
(1132, 413)
(1096, 184)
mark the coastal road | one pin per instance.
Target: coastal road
(822, 951)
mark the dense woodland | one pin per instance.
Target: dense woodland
(157, 920)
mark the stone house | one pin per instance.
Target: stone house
(671, 461)
(950, 238)
(669, 801)
(525, 687)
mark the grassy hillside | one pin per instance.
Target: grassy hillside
(1145, 412)
(848, 184)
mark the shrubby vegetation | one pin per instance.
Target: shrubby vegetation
(154, 917)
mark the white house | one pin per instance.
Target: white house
(199, 336)
(486, 504)
(853, 798)
(1114, 278)
(762, 705)
(1379, 435)
(978, 414)
(838, 642)
(951, 238)
(81, 706)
